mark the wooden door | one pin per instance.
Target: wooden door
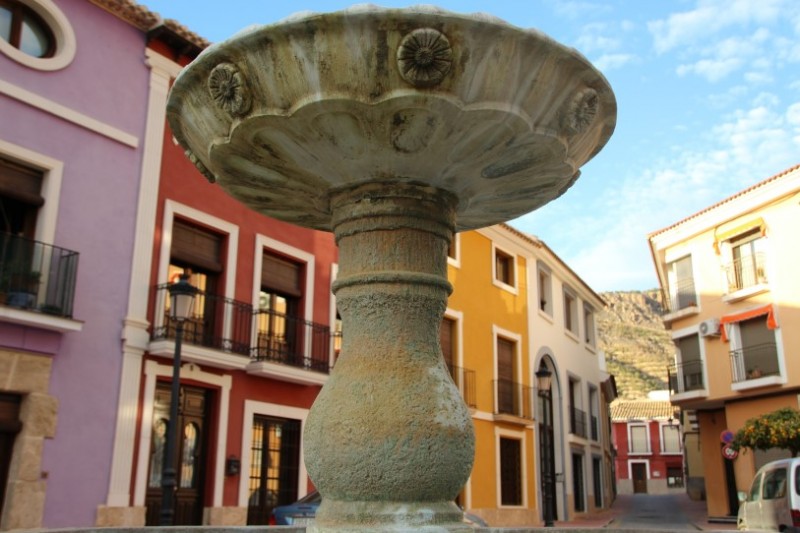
(639, 474)
(191, 445)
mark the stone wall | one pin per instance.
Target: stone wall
(28, 375)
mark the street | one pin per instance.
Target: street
(673, 512)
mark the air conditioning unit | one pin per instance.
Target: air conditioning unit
(709, 328)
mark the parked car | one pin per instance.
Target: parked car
(302, 511)
(773, 502)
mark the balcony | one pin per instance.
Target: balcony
(37, 277)
(746, 272)
(682, 296)
(231, 334)
(464, 380)
(754, 363)
(577, 422)
(685, 377)
(595, 428)
(512, 399)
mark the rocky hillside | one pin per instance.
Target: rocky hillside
(637, 347)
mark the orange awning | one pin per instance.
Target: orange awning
(747, 315)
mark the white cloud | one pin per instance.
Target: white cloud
(608, 62)
(610, 232)
(711, 69)
(710, 17)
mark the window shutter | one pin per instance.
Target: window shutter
(505, 360)
(21, 183)
(281, 275)
(197, 247)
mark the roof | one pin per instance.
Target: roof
(141, 17)
(642, 410)
(728, 199)
(539, 243)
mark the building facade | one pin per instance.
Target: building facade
(648, 439)
(72, 85)
(515, 309)
(733, 301)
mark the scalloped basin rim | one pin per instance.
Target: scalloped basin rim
(280, 115)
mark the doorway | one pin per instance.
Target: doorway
(193, 406)
(639, 475)
(274, 468)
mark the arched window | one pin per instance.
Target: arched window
(24, 29)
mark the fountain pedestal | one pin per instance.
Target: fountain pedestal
(389, 440)
(393, 129)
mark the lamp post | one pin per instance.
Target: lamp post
(544, 379)
(181, 295)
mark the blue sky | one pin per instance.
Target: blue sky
(708, 93)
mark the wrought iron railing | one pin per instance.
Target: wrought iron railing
(753, 362)
(513, 399)
(290, 340)
(746, 272)
(239, 328)
(577, 422)
(36, 276)
(464, 380)
(682, 294)
(685, 377)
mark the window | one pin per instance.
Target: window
(748, 265)
(755, 489)
(20, 198)
(594, 418)
(510, 471)
(754, 352)
(504, 271)
(36, 34)
(24, 29)
(588, 324)
(674, 477)
(545, 286)
(454, 251)
(507, 393)
(570, 312)
(670, 439)
(577, 416)
(774, 486)
(689, 375)
(680, 280)
(638, 442)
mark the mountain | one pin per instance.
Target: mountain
(637, 346)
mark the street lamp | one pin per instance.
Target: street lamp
(181, 295)
(544, 379)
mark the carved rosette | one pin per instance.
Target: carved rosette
(229, 90)
(580, 111)
(424, 57)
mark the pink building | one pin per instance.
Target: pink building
(647, 435)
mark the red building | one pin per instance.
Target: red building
(256, 350)
(647, 436)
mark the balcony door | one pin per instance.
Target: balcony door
(506, 394)
(278, 317)
(193, 406)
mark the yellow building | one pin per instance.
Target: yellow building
(516, 307)
(732, 295)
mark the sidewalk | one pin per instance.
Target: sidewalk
(696, 511)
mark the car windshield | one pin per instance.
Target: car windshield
(311, 497)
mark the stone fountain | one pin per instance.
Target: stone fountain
(394, 129)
